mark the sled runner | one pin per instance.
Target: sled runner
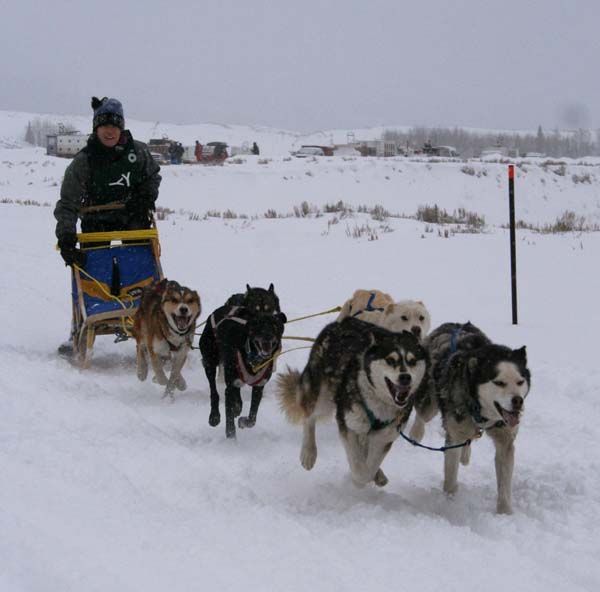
(106, 292)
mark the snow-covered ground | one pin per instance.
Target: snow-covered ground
(107, 486)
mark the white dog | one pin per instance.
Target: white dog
(380, 309)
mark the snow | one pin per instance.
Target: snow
(107, 486)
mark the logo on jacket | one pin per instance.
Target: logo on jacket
(123, 181)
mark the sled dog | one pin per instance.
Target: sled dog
(243, 340)
(380, 309)
(256, 300)
(163, 327)
(369, 377)
(479, 387)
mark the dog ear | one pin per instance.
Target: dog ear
(521, 355)
(389, 309)
(472, 364)
(248, 288)
(160, 286)
(271, 288)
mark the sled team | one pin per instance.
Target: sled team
(370, 368)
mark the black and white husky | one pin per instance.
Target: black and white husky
(366, 375)
(479, 387)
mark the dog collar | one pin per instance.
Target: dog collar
(374, 422)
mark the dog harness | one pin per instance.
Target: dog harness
(250, 378)
(245, 375)
(186, 334)
(374, 422)
(369, 307)
(230, 316)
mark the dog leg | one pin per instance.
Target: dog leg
(378, 445)
(142, 361)
(505, 462)
(451, 459)
(356, 453)
(232, 409)
(417, 431)
(424, 413)
(465, 455)
(250, 421)
(176, 381)
(308, 452)
(157, 365)
(214, 419)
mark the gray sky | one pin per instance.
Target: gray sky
(306, 65)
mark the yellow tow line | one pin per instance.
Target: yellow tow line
(124, 320)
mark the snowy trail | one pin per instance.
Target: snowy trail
(106, 486)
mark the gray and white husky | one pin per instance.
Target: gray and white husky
(366, 375)
(479, 387)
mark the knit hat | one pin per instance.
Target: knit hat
(107, 112)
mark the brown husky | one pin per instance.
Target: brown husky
(164, 327)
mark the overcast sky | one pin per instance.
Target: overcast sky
(306, 65)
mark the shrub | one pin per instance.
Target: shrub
(379, 213)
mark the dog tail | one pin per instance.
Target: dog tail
(289, 393)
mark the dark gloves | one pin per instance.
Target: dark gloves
(138, 207)
(69, 252)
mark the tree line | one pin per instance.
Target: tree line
(38, 128)
(556, 143)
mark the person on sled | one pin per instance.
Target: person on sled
(111, 184)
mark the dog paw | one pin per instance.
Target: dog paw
(142, 373)
(230, 431)
(180, 383)
(359, 481)
(246, 422)
(450, 488)
(380, 478)
(503, 507)
(169, 395)
(214, 419)
(308, 457)
(162, 380)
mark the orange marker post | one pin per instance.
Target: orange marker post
(513, 241)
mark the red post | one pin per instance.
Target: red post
(513, 240)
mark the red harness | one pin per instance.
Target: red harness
(259, 378)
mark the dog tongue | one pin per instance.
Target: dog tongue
(181, 322)
(512, 419)
(399, 392)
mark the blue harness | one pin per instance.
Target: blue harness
(369, 307)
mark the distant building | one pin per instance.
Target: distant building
(66, 145)
(376, 148)
(448, 151)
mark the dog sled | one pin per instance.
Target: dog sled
(107, 291)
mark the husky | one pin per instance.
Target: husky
(256, 300)
(369, 377)
(163, 328)
(380, 309)
(479, 387)
(243, 340)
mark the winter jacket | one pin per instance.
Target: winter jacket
(108, 188)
